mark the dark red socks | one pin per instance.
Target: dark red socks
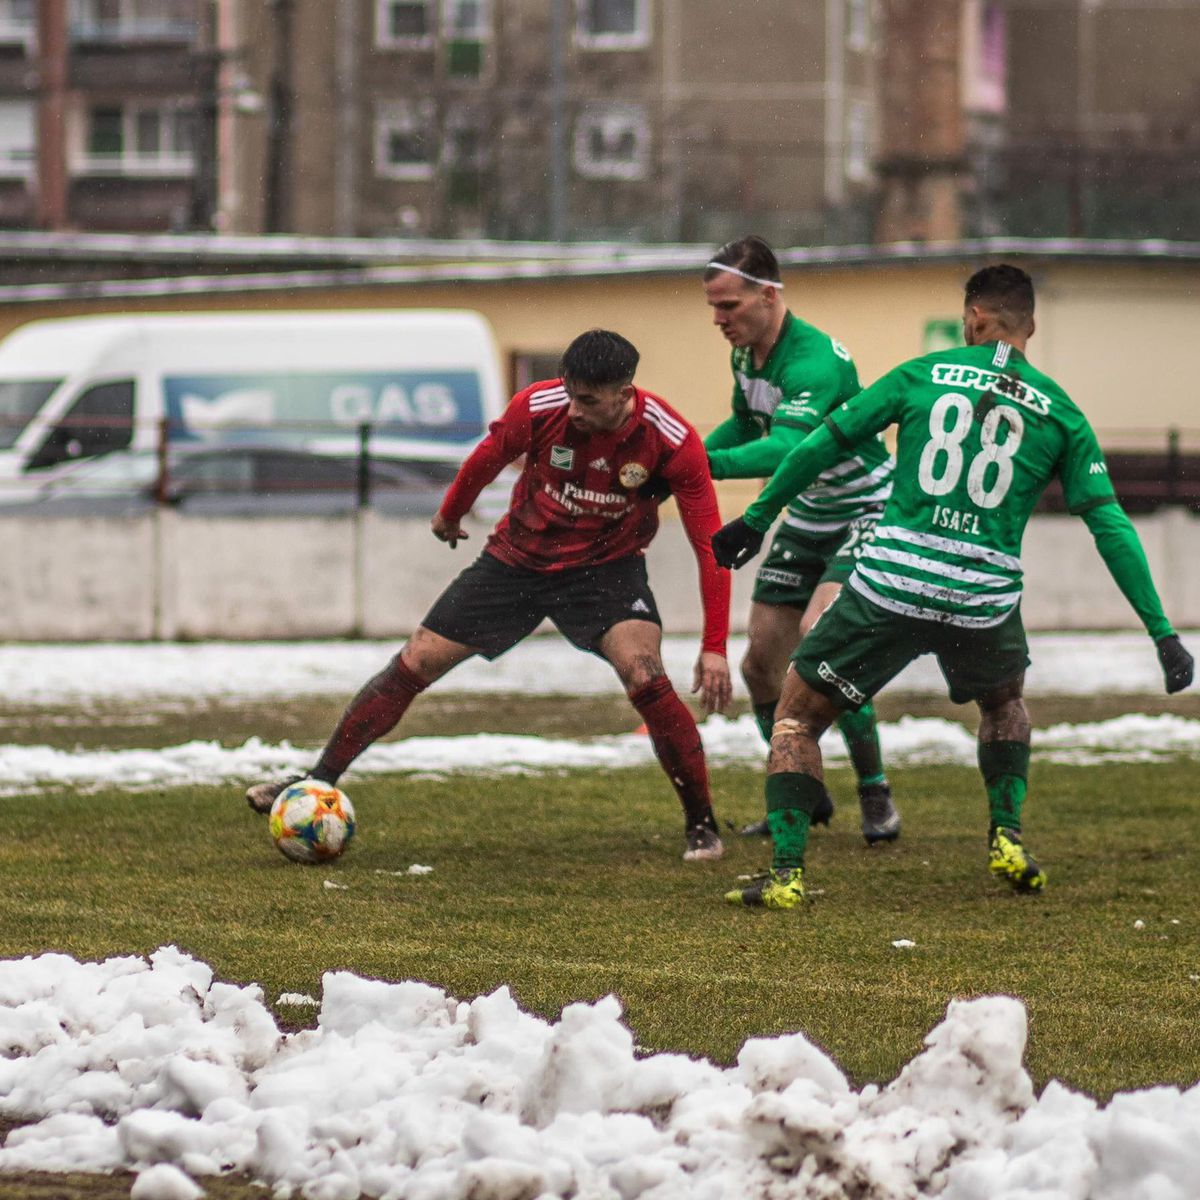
(677, 743)
(376, 710)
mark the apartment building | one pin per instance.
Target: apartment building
(811, 121)
(99, 103)
(572, 119)
(532, 119)
(1103, 119)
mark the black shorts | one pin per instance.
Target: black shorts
(492, 606)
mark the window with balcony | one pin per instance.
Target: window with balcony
(612, 24)
(612, 141)
(132, 20)
(136, 139)
(403, 24)
(18, 138)
(466, 28)
(18, 22)
(404, 140)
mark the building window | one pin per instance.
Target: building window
(612, 142)
(404, 140)
(18, 22)
(466, 27)
(612, 24)
(131, 139)
(858, 24)
(18, 138)
(466, 19)
(858, 142)
(403, 23)
(123, 20)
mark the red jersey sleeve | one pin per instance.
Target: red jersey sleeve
(692, 486)
(508, 438)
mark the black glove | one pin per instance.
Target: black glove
(655, 488)
(1177, 664)
(735, 544)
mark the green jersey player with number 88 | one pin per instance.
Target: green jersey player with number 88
(981, 433)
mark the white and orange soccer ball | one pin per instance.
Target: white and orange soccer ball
(311, 822)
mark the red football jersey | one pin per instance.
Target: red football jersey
(576, 501)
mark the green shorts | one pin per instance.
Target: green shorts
(856, 648)
(797, 562)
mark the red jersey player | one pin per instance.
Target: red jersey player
(571, 548)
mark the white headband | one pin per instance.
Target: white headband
(716, 266)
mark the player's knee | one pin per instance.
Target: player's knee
(639, 671)
(1004, 702)
(760, 674)
(1003, 717)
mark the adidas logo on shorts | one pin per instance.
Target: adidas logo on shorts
(640, 605)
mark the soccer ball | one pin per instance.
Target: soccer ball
(311, 822)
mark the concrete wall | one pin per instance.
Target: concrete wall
(167, 576)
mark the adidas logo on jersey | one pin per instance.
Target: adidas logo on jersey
(599, 464)
(639, 605)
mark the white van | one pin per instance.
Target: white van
(272, 404)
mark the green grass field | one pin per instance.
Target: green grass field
(570, 887)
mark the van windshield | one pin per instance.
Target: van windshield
(19, 400)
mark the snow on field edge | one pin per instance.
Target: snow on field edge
(910, 741)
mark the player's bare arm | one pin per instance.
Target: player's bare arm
(697, 502)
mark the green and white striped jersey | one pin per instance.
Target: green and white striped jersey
(981, 434)
(806, 376)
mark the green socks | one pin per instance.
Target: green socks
(1005, 768)
(764, 715)
(791, 799)
(862, 741)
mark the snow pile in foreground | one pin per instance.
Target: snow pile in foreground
(911, 741)
(403, 1091)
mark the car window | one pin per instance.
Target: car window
(99, 422)
(19, 400)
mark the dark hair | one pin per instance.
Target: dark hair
(750, 254)
(1005, 290)
(599, 357)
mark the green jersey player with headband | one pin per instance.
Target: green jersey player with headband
(787, 376)
(981, 434)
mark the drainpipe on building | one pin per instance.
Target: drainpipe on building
(835, 107)
(346, 151)
(207, 63)
(276, 200)
(558, 117)
(50, 201)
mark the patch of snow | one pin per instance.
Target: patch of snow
(403, 1091)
